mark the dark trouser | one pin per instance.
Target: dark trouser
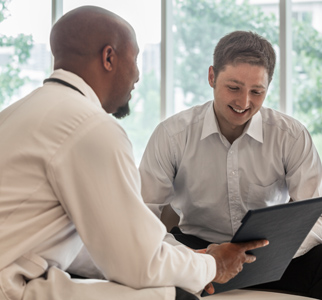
(302, 276)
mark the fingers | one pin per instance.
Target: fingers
(254, 244)
(230, 258)
(250, 258)
(203, 251)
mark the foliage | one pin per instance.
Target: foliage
(307, 79)
(19, 48)
(199, 24)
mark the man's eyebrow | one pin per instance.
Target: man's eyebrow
(258, 86)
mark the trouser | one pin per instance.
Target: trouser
(58, 285)
(302, 276)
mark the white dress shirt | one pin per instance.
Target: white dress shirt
(68, 179)
(212, 183)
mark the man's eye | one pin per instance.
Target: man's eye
(256, 92)
(233, 88)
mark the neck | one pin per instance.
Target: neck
(232, 134)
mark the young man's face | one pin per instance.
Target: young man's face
(239, 92)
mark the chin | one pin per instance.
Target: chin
(122, 111)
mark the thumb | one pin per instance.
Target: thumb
(209, 288)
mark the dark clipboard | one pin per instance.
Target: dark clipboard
(285, 226)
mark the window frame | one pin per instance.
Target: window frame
(166, 87)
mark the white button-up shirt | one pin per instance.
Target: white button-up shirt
(212, 183)
(68, 179)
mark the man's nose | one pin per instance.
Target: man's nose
(244, 100)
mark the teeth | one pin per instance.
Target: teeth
(239, 111)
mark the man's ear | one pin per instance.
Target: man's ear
(109, 57)
(211, 76)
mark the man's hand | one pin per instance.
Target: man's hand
(230, 258)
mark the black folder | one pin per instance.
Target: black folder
(285, 226)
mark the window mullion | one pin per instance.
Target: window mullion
(57, 10)
(56, 13)
(166, 105)
(286, 56)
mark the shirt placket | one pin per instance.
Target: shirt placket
(233, 186)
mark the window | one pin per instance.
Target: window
(307, 66)
(190, 31)
(198, 25)
(25, 59)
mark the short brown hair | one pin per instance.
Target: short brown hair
(244, 47)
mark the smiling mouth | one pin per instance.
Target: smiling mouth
(239, 111)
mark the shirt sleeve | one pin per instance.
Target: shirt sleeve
(98, 185)
(157, 170)
(304, 180)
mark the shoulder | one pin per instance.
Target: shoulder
(64, 114)
(186, 120)
(281, 123)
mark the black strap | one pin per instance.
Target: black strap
(189, 240)
(63, 83)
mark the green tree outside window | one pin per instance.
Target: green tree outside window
(19, 51)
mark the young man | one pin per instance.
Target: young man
(69, 188)
(216, 161)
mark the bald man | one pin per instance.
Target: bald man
(70, 198)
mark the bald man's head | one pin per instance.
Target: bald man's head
(101, 48)
(83, 33)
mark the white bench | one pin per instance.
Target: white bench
(252, 295)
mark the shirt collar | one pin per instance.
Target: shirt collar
(210, 125)
(255, 127)
(77, 82)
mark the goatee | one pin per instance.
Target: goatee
(122, 111)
